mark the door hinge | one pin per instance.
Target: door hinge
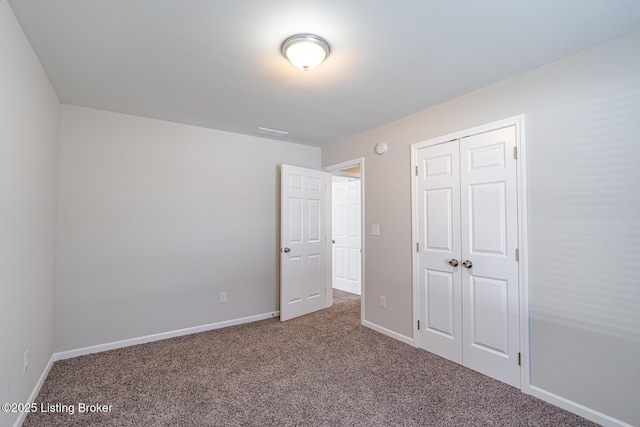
(418, 247)
(418, 325)
(519, 359)
(515, 152)
(517, 254)
(416, 171)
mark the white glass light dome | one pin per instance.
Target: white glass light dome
(305, 51)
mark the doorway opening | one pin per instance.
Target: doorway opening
(346, 201)
(345, 234)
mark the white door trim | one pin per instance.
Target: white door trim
(519, 123)
(335, 169)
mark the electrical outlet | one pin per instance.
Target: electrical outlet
(383, 302)
(223, 297)
(25, 364)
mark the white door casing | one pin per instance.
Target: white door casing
(466, 208)
(302, 241)
(346, 234)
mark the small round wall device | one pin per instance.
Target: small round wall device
(381, 148)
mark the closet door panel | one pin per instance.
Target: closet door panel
(439, 234)
(488, 206)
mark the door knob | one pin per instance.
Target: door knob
(287, 250)
(467, 264)
(453, 262)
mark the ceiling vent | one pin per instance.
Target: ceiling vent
(271, 132)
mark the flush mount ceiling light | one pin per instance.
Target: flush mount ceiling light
(305, 51)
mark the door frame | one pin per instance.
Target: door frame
(335, 169)
(521, 185)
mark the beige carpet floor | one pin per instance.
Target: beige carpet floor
(323, 369)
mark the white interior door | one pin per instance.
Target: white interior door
(467, 267)
(302, 241)
(490, 298)
(346, 234)
(439, 251)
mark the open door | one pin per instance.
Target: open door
(302, 241)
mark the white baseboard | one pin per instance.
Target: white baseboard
(576, 408)
(161, 336)
(35, 391)
(388, 332)
(561, 402)
(134, 341)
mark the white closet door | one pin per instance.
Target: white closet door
(439, 237)
(467, 267)
(489, 241)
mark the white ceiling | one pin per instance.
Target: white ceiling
(217, 63)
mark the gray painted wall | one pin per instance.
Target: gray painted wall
(29, 120)
(156, 219)
(583, 138)
(149, 236)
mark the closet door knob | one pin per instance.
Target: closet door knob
(467, 264)
(287, 250)
(453, 262)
